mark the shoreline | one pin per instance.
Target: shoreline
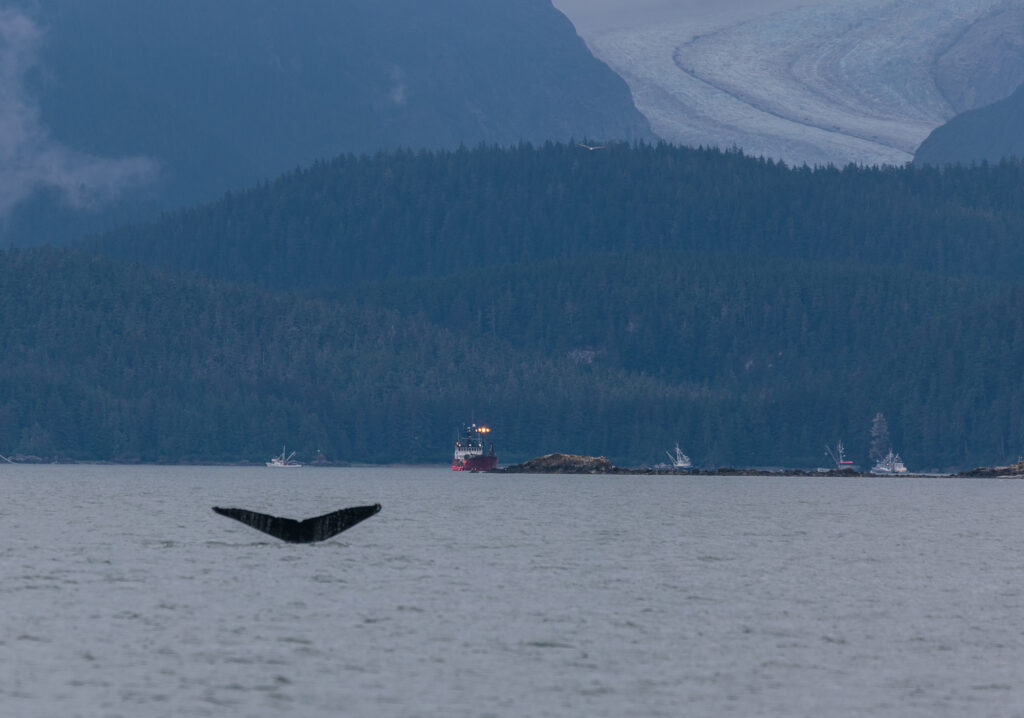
(575, 464)
(559, 464)
(727, 471)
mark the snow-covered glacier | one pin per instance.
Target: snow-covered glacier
(818, 82)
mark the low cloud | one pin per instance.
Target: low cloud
(397, 93)
(30, 159)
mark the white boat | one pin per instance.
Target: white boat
(891, 464)
(679, 461)
(284, 461)
(838, 456)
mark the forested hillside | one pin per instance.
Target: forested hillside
(105, 361)
(783, 354)
(742, 361)
(217, 95)
(988, 134)
(436, 213)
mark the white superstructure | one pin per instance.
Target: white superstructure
(679, 460)
(891, 464)
(284, 461)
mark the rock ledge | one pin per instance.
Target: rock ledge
(563, 464)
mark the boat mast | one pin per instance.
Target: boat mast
(838, 455)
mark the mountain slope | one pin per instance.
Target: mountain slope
(406, 214)
(988, 134)
(817, 82)
(106, 361)
(782, 354)
(219, 95)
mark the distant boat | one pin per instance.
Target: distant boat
(679, 460)
(469, 451)
(838, 456)
(284, 461)
(891, 464)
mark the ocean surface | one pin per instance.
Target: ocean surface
(123, 594)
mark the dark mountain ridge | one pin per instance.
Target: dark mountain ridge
(988, 134)
(220, 95)
(421, 214)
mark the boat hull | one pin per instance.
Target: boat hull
(484, 462)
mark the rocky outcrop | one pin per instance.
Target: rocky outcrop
(564, 464)
(573, 464)
(26, 459)
(1014, 471)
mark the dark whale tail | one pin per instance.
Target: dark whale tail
(319, 528)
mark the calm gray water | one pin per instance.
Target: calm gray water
(122, 594)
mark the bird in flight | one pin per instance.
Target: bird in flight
(318, 528)
(590, 147)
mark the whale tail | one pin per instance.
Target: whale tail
(318, 528)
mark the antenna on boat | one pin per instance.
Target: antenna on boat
(836, 456)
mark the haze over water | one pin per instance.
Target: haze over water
(472, 595)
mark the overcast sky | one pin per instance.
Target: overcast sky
(29, 157)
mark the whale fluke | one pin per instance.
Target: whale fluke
(319, 528)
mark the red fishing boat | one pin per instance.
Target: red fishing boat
(469, 451)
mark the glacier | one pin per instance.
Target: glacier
(818, 83)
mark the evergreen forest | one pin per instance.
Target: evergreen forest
(744, 361)
(406, 214)
(608, 302)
